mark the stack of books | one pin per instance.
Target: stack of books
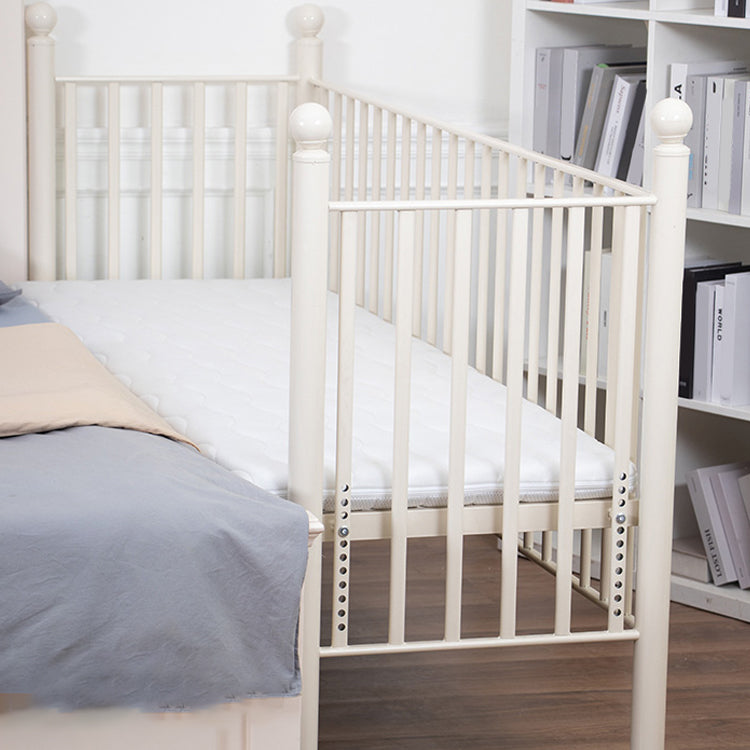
(714, 354)
(719, 141)
(721, 500)
(588, 107)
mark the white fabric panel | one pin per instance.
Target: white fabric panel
(212, 357)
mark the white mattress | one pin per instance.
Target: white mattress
(212, 357)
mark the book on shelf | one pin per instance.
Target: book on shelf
(602, 318)
(689, 559)
(745, 192)
(738, 147)
(735, 519)
(706, 312)
(736, 8)
(718, 341)
(704, 270)
(630, 143)
(578, 64)
(638, 156)
(595, 109)
(734, 362)
(726, 141)
(619, 113)
(713, 532)
(721, 8)
(744, 485)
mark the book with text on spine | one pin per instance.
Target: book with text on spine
(734, 518)
(621, 101)
(709, 523)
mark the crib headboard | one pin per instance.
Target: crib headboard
(174, 176)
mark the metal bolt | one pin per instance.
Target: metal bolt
(621, 518)
(344, 531)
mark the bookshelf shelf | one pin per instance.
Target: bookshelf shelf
(733, 412)
(671, 31)
(634, 9)
(699, 17)
(729, 600)
(718, 217)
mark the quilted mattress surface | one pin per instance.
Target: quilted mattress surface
(212, 357)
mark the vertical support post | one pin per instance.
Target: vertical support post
(310, 127)
(309, 50)
(671, 119)
(41, 19)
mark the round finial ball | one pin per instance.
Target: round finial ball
(309, 19)
(41, 18)
(310, 122)
(671, 119)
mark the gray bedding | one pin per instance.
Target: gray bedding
(136, 572)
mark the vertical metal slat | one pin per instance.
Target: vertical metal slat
(240, 182)
(281, 260)
(199, 177)
(457, 451)
(157, 116)
(402, 395)
(71, 181)
(344, 416)
(113, 178)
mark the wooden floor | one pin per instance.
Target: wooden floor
(562, 697)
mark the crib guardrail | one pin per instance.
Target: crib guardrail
(551, 222)
(69, 104)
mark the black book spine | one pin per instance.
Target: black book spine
(690, 280)
(736, 8)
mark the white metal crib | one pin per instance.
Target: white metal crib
(477, 247)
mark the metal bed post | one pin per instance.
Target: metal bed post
(671, 119)
(41, 19)
(310, 126)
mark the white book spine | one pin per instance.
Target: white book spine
(721, 8)
(714, 92)
(613, 132)
(738, 147)
(745, 199)
(554, 102)
(695, 98)
(719, 341)
(570, 105)
(541, 99)
(604, 314)
(735, 383)
(725, 143)
(728, 494)
(709, 525)
(744, 485)
(704, 333)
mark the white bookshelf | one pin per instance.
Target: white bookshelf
(671, 31)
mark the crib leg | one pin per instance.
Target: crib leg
(309, 651)
(671, 119)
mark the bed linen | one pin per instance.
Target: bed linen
(136, 572)
(212, 357)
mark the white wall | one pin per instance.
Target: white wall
(447, 58)
(12, 144)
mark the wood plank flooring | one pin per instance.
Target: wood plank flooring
(564, 697)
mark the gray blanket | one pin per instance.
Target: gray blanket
(136, 572)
